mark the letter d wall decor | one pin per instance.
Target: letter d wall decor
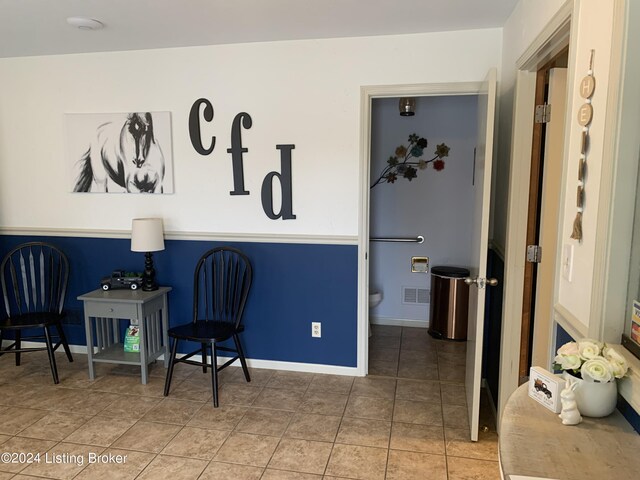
(243, 120)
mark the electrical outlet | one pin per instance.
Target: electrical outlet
(567, 262)
(316, 329)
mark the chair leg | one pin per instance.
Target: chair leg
(214, 373)
(18, 346)
(172, 361)
(63, 340)
(1, 351)
(243, 360)
(204, 357)
(52, 357)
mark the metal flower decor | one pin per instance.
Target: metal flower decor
(402, 165)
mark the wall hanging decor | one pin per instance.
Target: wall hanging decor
(585, 115)
(120, 152)
(406, 162)
(202, 109)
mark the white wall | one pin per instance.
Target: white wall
(301, 92)
(591, 29)
(436, 205)
(523, 26)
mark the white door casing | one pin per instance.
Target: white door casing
(367, 94)
(542, 341)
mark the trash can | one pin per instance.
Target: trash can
(449, 303)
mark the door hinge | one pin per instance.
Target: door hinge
(543, 113)
(534, 253)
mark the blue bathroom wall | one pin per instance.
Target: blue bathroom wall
(293, 285)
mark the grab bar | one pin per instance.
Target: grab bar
(418, 239)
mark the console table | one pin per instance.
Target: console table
(103, 312)
(534, 443)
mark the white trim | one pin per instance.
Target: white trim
(172, 235)
(367, 94)
(398, 322)
(569, 322)
(422, 90)
(253, 363)
(551, 40)
(614, 234)
(82, 349)
(299, 367)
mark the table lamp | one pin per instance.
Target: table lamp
(147, 236)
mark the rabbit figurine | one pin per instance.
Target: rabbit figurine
(569, 414)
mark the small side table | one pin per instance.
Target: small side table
(102, 314)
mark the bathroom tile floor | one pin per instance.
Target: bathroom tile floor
(407, 420)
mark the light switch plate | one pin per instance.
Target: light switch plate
(567, 262)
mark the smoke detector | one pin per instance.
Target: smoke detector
(84, 23)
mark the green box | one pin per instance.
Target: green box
(132, 339)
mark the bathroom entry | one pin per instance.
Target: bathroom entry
(421, 208)
(485, 92)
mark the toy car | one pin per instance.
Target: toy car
(540, 386)
(122, 279)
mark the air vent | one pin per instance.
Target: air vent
(415, 295)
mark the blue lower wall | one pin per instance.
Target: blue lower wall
(293, 285)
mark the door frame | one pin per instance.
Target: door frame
(551, 40)
(536, 327)
(367, 94)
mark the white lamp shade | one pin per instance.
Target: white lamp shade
(147, 235)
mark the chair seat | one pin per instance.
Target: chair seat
(205, 331)
(32, 319)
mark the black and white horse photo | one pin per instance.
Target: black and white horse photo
(124, 154)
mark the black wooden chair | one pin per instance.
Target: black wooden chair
(221, 285)
(34, 279)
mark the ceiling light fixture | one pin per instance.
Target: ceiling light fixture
(84, 23)
(407, 106)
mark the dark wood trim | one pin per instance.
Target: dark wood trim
(533, 216)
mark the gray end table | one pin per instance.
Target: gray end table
(103, 312)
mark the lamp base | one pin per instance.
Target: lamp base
(149, 276)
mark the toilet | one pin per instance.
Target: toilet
(375, 297)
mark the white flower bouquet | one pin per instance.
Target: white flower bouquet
(591, 360)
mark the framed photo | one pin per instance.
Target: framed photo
(545, 388)
(119, 152)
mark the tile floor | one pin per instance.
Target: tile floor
(405, 421)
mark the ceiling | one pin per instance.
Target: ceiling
(39, 27)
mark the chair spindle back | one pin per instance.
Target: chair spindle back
(34, 279)
(221, 285)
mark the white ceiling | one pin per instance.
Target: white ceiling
(39, 27)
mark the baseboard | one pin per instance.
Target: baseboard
(398, 322)
(299, 367)
(253, 363)
(82, 349)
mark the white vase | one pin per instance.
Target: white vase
(595, 399)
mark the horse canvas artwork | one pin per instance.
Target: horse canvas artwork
(120, 152)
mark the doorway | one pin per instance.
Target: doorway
(419, 215)
(542, 222)
(486, 92)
